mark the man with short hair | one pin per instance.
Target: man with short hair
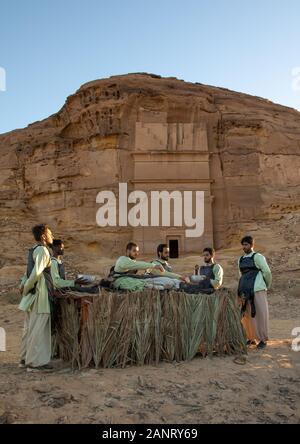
(211, 273)
(35, 288)
(59, 275)
(209, 276)
(125, 271)
(255, 280)
(163, 253)
(57, 266)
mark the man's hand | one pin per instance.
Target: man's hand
(159, 267)
(81, 281)
(185, 279)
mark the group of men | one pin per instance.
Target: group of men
(158, 274)
(46, 274)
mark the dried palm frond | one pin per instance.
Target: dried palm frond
(98, 322)
(114, 329)
(68, 330)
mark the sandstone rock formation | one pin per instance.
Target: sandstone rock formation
(155, 134)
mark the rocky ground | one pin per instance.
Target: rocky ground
(265, 389)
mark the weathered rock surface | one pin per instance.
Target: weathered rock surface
(154, 133)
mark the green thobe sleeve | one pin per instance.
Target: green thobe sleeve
(261, 263)
(165, 273)
(23, 280)
(58, 282)
(124, 263)
(218, 280)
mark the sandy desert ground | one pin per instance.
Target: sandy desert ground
(212, 390)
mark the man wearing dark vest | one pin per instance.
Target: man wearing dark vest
(35, 288)
(207, 277)
(210, 274)
(255, 280)
(57, 267)
(58, 273)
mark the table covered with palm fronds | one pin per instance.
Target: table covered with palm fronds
(113, 329)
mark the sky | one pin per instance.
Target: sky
(49, 48)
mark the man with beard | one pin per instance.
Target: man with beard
(36, 287)
(209, 276)
(57, 267)
(163, 253)
(61, 285)
(255, 280)
(125, 271)
(210, 273)
(58, 273)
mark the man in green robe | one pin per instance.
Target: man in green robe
(168, 278)
(127, 267)
(58, 273)
(208, 277)
(254, 283)
(35, 287)
(57, 267)
(210, 270)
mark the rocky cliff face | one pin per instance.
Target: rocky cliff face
(52, 170)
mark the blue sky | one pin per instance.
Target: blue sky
(49, 48)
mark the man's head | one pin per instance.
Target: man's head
(132, 250)
(208, 255)
(163, 252)
(42, 234)
(58, 247)
(247, 244)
